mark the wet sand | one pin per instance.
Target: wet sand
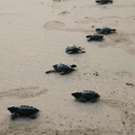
(33, 36)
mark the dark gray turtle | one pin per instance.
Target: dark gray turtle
(104, 1)
(62, 69)
(23, 111)
(129, 84)
(86, 96)
(95, 37)
(74, 50)
(105, 31)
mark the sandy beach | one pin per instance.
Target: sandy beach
(33, 37)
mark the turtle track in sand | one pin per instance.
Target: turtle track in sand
(127, 114)
(83, 131)
(23, 92)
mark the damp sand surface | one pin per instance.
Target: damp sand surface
(33, 36)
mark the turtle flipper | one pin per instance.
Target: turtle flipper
(14, 116)
(83, 100)
(50, 71)
(93, 100)
(33, 116)
(69, 52)
(63, 73)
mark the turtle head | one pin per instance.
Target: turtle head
(55, 66)
(98, 29)
(114, 30)
(73, 66)
(76, 94)
(12, 109)
(88, 36)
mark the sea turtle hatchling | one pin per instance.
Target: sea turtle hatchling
(62, 69)
(23, 111)
(74, 50)
(86, 96)
(102, 2)
(105, 30)
(95, 37)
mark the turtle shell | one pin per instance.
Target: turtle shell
(105, 30)
(23, 110)
(104, 1)
(95, 37)
(72, 50)
(86, 96)
(62, 68)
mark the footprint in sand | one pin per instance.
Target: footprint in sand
(59, 0)
(26, 92)
(109, 19)
(83, 131)
(64, 13)
(120, 38)
(60, 26)
(125, 74)
(54, 25)
(127, 114)
(120, 105)
(87, 131)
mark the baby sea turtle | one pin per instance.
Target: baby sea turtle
(105, 31)
(74, 50)
(129, 84)
(23, 111)
(62, 69)
(86, 96)
(104, 1)
(95, 37)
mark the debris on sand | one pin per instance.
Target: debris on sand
(86, 96)
(23, 111)
(96, 74)
(102, 2)
(74, 50)
(105, 30)
(95, 37)
(62, 69)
